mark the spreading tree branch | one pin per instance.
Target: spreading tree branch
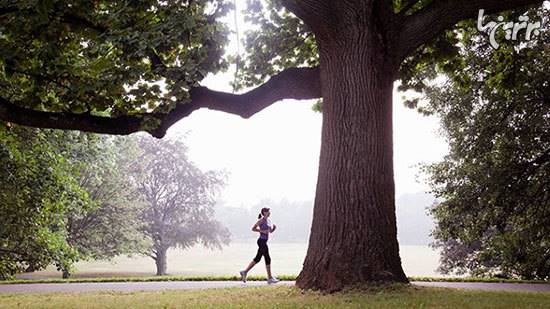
(74, 19)
(293, 83)
(424, 25)
(314, 13)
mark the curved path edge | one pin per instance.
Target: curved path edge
(182, 285)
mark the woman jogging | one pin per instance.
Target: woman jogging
(264, 227)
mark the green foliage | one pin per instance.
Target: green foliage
(67, 196)
(36, 191)
(279, 40)
(439, 56)
(494, 217)
(64, 197)
(444, 55)
(108, 226)
(115, 58)
(318, 106)
(408, 7)
(107, 57)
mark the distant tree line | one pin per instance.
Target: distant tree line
(293, 220)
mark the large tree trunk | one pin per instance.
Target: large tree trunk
(160, 261)
(353, 236)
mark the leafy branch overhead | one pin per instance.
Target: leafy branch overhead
(107, 58)
(119, 67)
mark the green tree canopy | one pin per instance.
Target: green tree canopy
(108, 58)
(494, 214)
(36, 192)
(64, 197)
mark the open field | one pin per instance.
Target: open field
(395, 296)
(287, 258)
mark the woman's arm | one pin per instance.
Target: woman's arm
(273, 228)
(256, 228)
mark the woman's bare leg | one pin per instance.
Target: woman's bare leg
(268, 268)
(252, 263)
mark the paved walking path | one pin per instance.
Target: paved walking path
(530, 287)
(127, 286)
(179, 285)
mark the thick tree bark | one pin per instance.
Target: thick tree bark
(353, 236)
(160, 261)
(30, 269)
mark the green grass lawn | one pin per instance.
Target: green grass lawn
(287, 258)
(394, 296)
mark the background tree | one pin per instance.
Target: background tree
(37, 190)
(179, 200)
(108, 226)
(494, 218)
(109, 84)
(64, 197)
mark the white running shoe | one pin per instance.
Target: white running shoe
(243, 275)
(272, 280)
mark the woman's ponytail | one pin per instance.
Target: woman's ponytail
(265, 209)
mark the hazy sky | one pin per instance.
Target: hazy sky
(275, 153)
